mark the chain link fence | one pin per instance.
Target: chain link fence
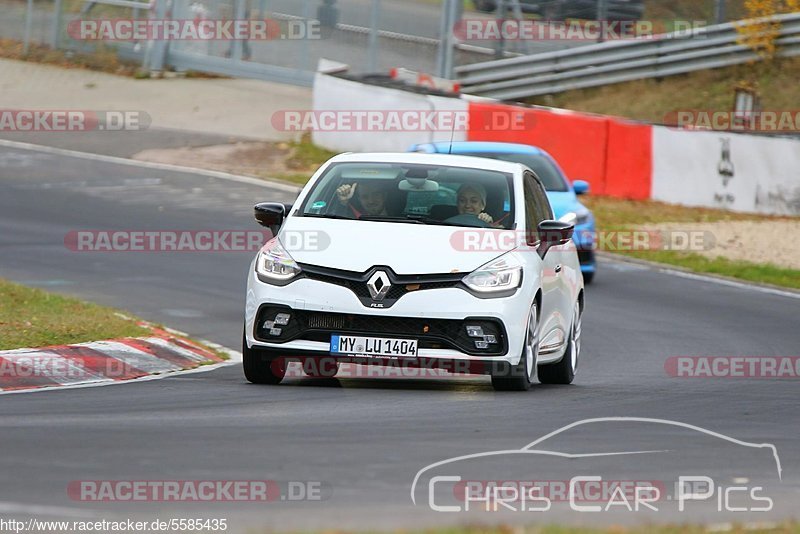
(371, 36)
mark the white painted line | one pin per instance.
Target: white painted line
(731, 283)
(662, 268)
(34, 509)
(150, 165)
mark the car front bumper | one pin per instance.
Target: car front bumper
(323, 308)
(585, 238)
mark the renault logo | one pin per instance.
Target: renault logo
(378, 285)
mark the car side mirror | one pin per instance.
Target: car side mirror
(553, 234)
(581, 187)
(271, 215)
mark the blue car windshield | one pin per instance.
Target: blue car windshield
(551, 178)
(413, 193)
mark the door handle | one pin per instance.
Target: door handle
(558, 269)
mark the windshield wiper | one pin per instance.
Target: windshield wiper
(390, 219)
(328, 216)
(426, 219)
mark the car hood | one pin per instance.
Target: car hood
(360, 245)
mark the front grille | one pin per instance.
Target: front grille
(401, 284)
(322, 321)
(431, 333)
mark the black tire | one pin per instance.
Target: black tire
(587, 278)
(519, 377)
(320, 368)
(262, 366)
(564, 371)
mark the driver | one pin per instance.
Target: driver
(371, 197)
(471, 200)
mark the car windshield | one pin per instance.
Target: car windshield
(548, 173)
(414, 194)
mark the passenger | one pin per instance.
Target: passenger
(372, 197)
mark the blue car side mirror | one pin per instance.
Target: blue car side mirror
(581, 187)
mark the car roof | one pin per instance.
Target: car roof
(445, 160)
(484, 146)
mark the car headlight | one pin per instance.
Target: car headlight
(502, 274)
(275, 264)
(583, 217)
(578, 218)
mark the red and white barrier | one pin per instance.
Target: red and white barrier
(618, 157)
(346, 97)
(100, 362)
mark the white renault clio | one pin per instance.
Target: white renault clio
(429, 260)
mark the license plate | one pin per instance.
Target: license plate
(373, 346)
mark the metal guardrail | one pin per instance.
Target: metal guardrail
(620, 61)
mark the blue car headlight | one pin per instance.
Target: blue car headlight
(578, 218)
(583, 217)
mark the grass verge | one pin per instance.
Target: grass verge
(103, 60)
(34, 318)
(741, 270)
(616, 214)
(303, 160)
(710, 90)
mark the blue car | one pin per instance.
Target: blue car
(563, 195)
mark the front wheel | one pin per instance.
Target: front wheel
(564, 371)
(519, 377)
(260, 366)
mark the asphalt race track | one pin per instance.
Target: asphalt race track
(362, 439)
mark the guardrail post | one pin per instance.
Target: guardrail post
(55, 37)
(444, 57)
(238, 45)
(28, 22)
(719, 11)
(308, 15)
(500, 47)
(440, 52)
(602, 16)
(158, 53)
(374, 23)
(450, 39)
